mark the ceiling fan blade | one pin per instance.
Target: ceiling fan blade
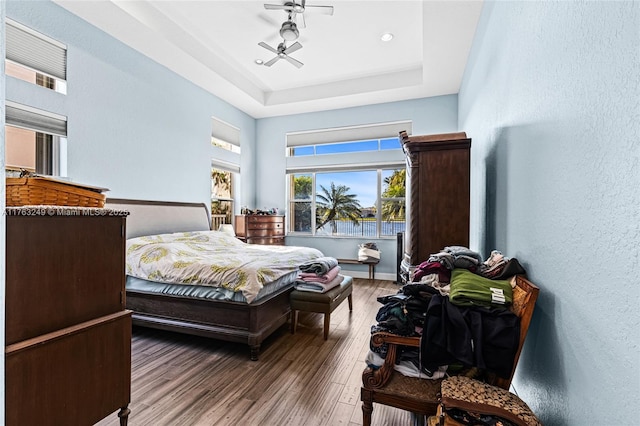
(302, 23)
(269, 48)
(277, 7)
(294, 61)
(272, 61)
(295, 46)
(325, 10)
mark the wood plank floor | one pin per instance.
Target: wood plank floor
(300, 379)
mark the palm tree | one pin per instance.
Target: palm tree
(336, 204)
(220, 188)
(395, 188)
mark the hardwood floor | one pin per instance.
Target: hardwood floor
(300, 379)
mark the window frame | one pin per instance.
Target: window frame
(382, 159)
(312, 201)
(225, 156)
(50, 131)
(37, 54)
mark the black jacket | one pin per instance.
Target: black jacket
(486, 338)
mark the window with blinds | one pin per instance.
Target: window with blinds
(371, 137)
(35, 141)
(225, 136)
(347, 182)
(34, 57)
(225, 171)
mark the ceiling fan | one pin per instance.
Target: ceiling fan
(282, 52)
(293, 8)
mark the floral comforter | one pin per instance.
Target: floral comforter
(212, 258)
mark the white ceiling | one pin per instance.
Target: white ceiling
(215, 44)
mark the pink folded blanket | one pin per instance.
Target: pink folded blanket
(319, 287)
(315, 278)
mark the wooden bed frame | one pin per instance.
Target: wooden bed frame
(218, 319)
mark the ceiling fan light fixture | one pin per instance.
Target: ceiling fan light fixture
(386, 37)
(289, 31)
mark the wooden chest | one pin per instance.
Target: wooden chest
(260, 229)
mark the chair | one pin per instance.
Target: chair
(420, 396)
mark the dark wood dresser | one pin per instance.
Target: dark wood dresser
(68, 334)
(437, 197)
(260, 229)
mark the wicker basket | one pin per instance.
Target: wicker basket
(35, 191)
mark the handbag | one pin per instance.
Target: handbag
(469, 402)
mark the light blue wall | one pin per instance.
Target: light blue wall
(430, 115)
(2, 202)
(134, 126)
(551, 99)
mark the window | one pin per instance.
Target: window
(331, 195)
(225, 136)
(353, 146)
(222, 206)
(225, 171)
(348, 203)
(34, 57)
(34, 141)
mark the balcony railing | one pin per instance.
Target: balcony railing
(365, 228)
(217, 220)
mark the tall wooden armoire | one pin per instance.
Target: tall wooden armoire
(437, 197)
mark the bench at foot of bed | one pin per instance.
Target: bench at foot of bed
(324, 303)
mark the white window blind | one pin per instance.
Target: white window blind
(36, 51)
(26, 117)
(225, 132)
(347, 134)
(227, 167)
(345, 167)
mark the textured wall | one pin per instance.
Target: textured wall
(551, 99)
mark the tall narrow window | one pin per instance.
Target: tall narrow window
(221, 197)
(225, 172)
(302, 192)
(393, 206)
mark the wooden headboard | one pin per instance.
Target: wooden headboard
(161, 217)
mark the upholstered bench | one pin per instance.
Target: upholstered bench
(323, 303)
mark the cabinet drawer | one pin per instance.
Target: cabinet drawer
(266, 225)
(268, 241)
(251, 233)
(77, 375)
(264, 219)
(61, 270)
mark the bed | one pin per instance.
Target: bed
(244, 315)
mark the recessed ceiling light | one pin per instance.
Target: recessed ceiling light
(386, 37)
(259, 61)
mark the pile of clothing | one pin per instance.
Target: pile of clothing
(319, 275)
(459, 305)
